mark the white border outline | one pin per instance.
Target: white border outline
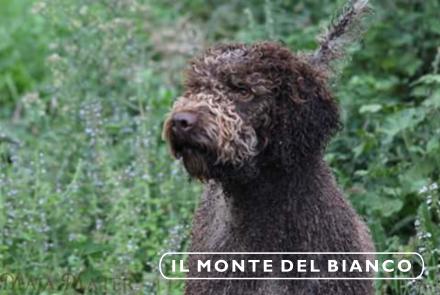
(289, 253)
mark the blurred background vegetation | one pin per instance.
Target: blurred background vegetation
(86, 184)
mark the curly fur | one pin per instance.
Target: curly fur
(264, 118)
(344, 30)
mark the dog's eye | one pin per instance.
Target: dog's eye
(239, 87)
(236, 83)
(244, 91)
(245, 94)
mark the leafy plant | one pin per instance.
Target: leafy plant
(87, 187)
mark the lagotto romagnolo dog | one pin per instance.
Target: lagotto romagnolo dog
(252, 125)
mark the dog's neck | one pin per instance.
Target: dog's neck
(272, 184)
(272, 205)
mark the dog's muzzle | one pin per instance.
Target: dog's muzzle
(183, 123)
(185, 134)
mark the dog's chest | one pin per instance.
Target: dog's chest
(218, 228)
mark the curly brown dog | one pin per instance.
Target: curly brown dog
(252, 125)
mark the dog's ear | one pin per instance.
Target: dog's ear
(318, 115)
(309, 118)
(308, 115)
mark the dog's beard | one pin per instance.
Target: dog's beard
(202, 164)
(195, 163)
(197, 158)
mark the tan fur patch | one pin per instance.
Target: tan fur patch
(235, 141)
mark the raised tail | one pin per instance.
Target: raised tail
(345, 29)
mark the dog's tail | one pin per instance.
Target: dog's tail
(346, 28)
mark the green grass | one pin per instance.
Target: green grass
(86, 184)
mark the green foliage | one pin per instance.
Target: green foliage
(86, 184)
(22, 50)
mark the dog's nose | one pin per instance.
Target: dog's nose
(183, 121)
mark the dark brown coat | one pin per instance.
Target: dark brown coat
(252, 125)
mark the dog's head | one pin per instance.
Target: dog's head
(245, 104)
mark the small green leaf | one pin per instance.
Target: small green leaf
(403, 120)
(429, 79)
(433, 144)
(385, 206)
(433, 101)
(370, 108)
